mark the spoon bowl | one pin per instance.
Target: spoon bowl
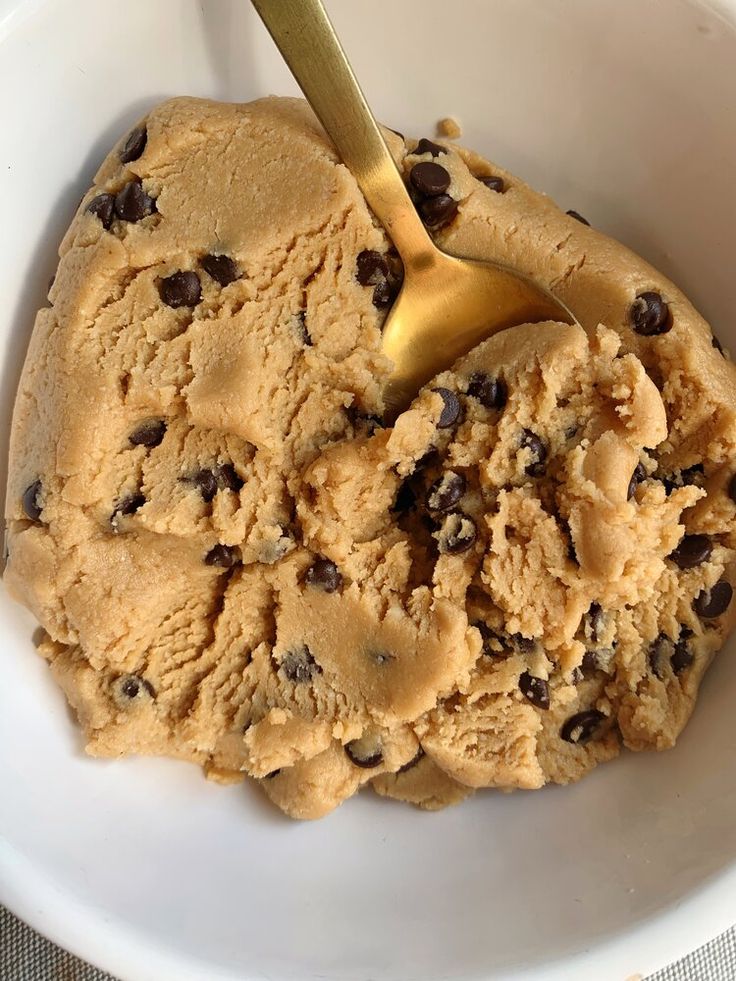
(446, 304)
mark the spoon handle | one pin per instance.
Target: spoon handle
(308, 43)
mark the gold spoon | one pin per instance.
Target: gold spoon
(446, 304)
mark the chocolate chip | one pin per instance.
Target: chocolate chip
(439, 211)
(693, 550)
(683, 478)
(133, 686)
(224, 556)
(181, 289)
(429, 178)
(206, 483)
(228, 478)
(525, 645)
(577, 216)
(412, 762)
(134, 145)
(711, 603)
(221, 268)
(364, 752)
(427, 146)
(132, 203)
(493, 643)
(732, 488)
(683, 656)
(406, 498)
(370, 268)
(32, 500)
(299, 666)
(457, 534)
(659, 650)
(596, 621)
(581, 727)
(130, 689)
(649, 314)
(129, 505)
(490, 392)
(535, 689)
(103, 206)
(384, 294)
(450, 410)
(637, 476)
(496, 184)
(149, 434)
(530, 441)
(446, 491)
(324, 574)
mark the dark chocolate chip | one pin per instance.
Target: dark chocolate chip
(324, 574)
(535, 689)
(206, 483)
(32, 500)
(659, 650)
(494, 644)
(683, 656)
(129, 505)
(578, 217)
(538, 450)
(711, 603)
(299, 666)
(228, 478)
(384, 294)
(693, 550)
(132, 686)
(450, 410)
(364, 753)
(221, 268)
(429, 178)
(103, 206)
(134, 145)
(149, 434)
(732, 488)
(181, 289)
(525, 645)
(458, 533)
(301, 322)
(406, 497)
(438, 211)
(496, 184)
(446, 491)
(649, 315)
(224, 556)
(412, 762)
(371, 268)
(637, 476)
(581, 727)
(596, 621)
(132, 203)
(590, 664)
(427, 146)
(490, 392)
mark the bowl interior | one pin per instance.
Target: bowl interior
(621, 109)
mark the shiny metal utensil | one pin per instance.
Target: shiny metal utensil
(446, 304)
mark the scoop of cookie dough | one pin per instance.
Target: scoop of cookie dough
(237, 564)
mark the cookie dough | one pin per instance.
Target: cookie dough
(236, 563)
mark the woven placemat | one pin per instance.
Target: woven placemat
(27, 956)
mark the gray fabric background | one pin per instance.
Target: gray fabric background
(26, 956)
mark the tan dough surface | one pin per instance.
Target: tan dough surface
(236, 564)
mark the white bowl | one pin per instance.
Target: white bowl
(622, 109)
